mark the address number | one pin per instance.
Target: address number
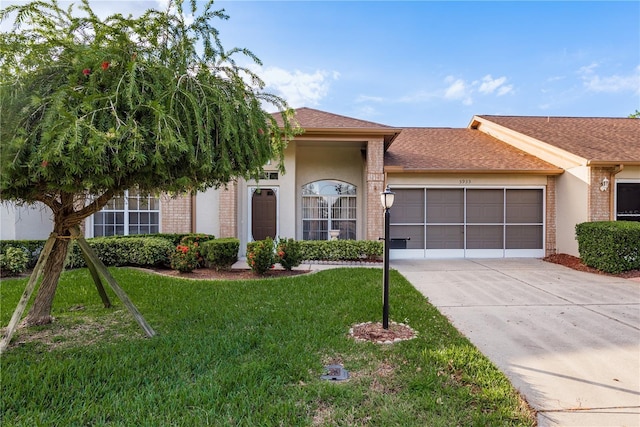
(465, 181)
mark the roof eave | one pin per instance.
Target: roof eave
(401, 169)
(596, 162)
(389, 134)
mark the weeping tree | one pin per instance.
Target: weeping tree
(90, 107)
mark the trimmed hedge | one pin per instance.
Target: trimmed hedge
(129, 250)
(611, 246)
(220, 254)
(13, 261)
(341, 250)
(31, 247)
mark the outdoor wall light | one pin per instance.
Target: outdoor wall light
(604, 184)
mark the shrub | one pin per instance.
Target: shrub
(611, 246)
(13, 261)
(131, 250)
(31, 247)
(260, 256)
(196, 240)
(340, 250)
(184, 258)
(220, 254)
(288, 253)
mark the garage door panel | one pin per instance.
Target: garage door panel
(413, 232)
(485, 206)
(484, 237)
(445, 205)
(524, 236)
(408, 206)
(524, 206)
(445, 237)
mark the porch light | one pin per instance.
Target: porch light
(604, 184)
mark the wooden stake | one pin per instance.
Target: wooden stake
(94, 273)
(102, 269)
(26, 295)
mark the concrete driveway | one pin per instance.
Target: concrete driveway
(568, 341)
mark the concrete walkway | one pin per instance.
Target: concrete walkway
(568, 341)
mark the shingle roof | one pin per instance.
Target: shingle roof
(592, 138)
(445, 149)
(316, 119)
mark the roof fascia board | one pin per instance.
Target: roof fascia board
(401, 170)
(612, 163)
(547, 152)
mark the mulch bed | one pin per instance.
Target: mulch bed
(576, 264)
(236, 274)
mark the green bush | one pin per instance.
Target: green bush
(260, 256)
(341, 250)
(288, 253)
(185, 258)
(31, 247)
(13, 261)
(611, 246)
(199, 238)
(174, 238)
(220, 254)
(139, 251)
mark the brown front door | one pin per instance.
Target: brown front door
(263, 214)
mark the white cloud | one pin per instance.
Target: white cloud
(458, 89)
(490, 85)
(367, 98)
(296, 87)
(594, 82)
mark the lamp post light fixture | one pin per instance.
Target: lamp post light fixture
(386, 197)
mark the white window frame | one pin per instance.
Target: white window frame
(126, 211)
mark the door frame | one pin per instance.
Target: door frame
(250, 190)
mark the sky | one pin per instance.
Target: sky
(437, 64)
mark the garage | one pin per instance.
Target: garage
(467, 222)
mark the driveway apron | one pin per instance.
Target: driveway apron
(569, 341)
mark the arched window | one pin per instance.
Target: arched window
(328, 210)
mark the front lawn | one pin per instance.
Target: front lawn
(245, 353)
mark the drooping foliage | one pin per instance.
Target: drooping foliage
(90, 106)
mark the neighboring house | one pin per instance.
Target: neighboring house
(502, 187)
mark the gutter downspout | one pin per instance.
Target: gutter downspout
(193, 212)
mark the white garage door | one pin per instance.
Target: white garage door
(467, 222)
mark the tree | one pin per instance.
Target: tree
(635, 115)
(92, 107)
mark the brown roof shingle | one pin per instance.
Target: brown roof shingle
(592, 138)
(464, 150)
(316, 119)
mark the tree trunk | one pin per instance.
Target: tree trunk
(40, 312)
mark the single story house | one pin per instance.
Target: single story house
(504, 186)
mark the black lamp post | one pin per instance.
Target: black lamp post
(386, 198)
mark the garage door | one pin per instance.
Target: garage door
(467, 222)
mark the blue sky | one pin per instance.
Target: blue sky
(436, 64)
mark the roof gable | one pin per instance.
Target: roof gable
(595, 139)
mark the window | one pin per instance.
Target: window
(130, 213)
(328, 206)
(628, 201)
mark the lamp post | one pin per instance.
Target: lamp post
(386, 198)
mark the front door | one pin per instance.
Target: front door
(263, 214)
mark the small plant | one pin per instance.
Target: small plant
(260, 256)
(185, 258)
(288, 253)
(13, 261)
(221, 254)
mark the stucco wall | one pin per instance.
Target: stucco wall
(572, 195)
(629, 172)
(207, 212)
(25, 222)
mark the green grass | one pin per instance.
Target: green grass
(246, 353)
